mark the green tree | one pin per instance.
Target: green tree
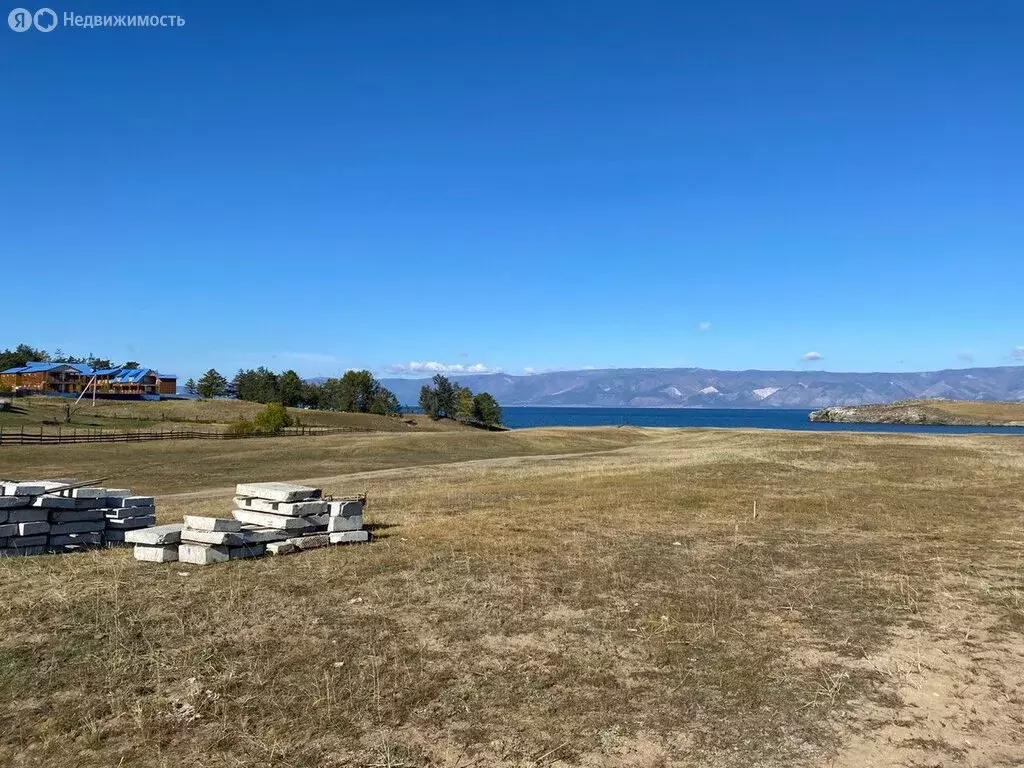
(191, 387)
(447, 397)
(486, 409)
(20, 355)
(289, 386)
(467, 411)
(385, 402)
(131, 365)
(272, 418)
(428, 401)
(211, 384)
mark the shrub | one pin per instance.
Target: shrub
(272, 418)
(241, 428)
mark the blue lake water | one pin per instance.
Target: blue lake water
(747, 418)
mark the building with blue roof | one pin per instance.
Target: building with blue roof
(75, 378)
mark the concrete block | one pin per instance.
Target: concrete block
(315, 541)
(21, 551)
(215, 538)
(77, 540)
(281, 548)
(53, 502)
(201, 554)
(89, 493)
(89, 503)
(247, 551)
(75, 515)
(252, 535)
(135, 501)
(24, 489)
(277, 491)
(267, 520)
(157, 536)
(3, 516)
(345, 508)
(32, 529)
(8, 529)
(350, 537)
(131, 522)
(112, 536)
(27, 541)
(89, 526)
(6, 502)
(126, 512)
(338, 524)
(165, 554)
(27, 515)
(199, 523)
(290, 508)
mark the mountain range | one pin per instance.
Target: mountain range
(702, 388)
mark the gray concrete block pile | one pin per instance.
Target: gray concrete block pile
(43, 516)
(268, 518)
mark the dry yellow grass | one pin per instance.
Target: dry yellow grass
(966, 412)
(613, 602)
(130, 414)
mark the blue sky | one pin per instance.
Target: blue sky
(523, 186)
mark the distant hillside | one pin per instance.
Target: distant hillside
(968, 413)
(701, 388)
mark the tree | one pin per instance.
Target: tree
(211, 384)
(272, 418)
(131, 365)
(447, 397)
(289, 386)
(486, 409)
(466, 409)
(190, 386)
(20, 355)
(428, 401)
(385, 402)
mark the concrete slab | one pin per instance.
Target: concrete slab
(6, 502)
(164, 554)
(350, 537)
(26, 541)
(247, 552)
(345, 508)
(201, 523)
(53, 502)
(338, 524)
(267, 520)
(214, 538)
(89, 493)
(8, 529)
(277, 491)
(156, 536)
(90, 526)
(27, 515)
(281, 548)
(200, 554)
(77, 540)
(32, 529)
(113, 536)
(290, 508)
(132, 522)
(24, 489)
(75, 515)
(136, 501)
(123, 514)
(262, 535)
(315, 541)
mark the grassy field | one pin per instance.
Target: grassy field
(600, 597)
(966, 412)
(32, 412)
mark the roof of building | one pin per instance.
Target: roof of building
(119, 375)
(132, 375)
(44, 367)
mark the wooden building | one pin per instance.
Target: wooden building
(75, 378)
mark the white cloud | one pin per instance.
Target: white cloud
(436, 367)
(814, 356)
(704, 325)
(529, 371)
(1017, 353)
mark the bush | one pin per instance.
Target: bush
(272, 418)
(241, 428)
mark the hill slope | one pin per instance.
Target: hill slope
(703, 388)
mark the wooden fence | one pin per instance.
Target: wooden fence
(72, 435)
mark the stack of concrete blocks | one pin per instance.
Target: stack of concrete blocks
(301, 513)
(209, 540)
(38, 516)
(158, 544)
